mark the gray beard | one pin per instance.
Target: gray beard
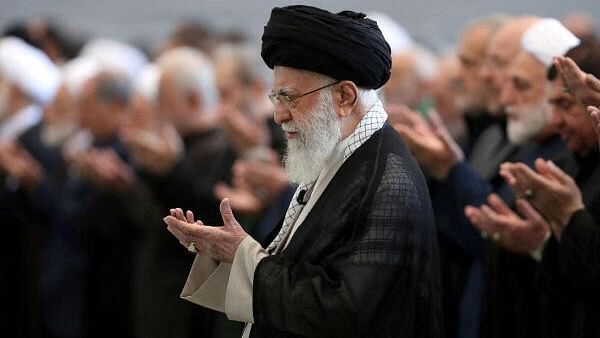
(308, 153)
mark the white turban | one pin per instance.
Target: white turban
(76, 73)
(548, 38)
(29, 69)
(395, 35)
(112, 55)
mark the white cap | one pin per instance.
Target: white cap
(29, 69)
(77, 72)
(116, 56)
(548, 38)
(395, 35)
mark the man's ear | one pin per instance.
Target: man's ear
(346, 97)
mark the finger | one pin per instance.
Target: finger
(408, 134)
(479, 220)
(498, 205)
(595, 115)
(191, 230)
(593, 82)
(529, 213)
(180, 215)
(558, 173)
(227, 213)
(508, 177)
(179, 235)
(189, 216)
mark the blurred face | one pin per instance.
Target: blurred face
(524, 96)
(444, 89)
(100, 118)
(59, 118)
(172, 103)
(574, 123)
(503, 47)
(229, 84)
(402, 87)
(311, 123)
(471, 54)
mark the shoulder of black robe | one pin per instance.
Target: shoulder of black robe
(365, 262)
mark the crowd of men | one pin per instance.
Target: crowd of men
(99, 141)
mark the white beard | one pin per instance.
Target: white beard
(532, 119)
(307, 154)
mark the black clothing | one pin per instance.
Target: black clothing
(344, 46)
(365, 261)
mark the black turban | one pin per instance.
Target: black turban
(344, 46)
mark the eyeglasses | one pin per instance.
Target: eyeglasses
(287, 101)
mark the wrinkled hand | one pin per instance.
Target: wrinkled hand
(595, 115)
(429, 141)
(550, 190)
(18, 162)
(220, 243)
(585, 87)
(156, 150)
(519, 234)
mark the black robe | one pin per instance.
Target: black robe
(569, 283)
(364, 263)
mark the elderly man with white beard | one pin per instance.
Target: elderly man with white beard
(356, 254)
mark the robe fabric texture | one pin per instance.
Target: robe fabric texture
(364, 263)
(569, 283)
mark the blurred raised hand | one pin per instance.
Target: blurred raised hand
(428, 139)
(585, 87)
(257, 182)
(17, 162)
(155, 149)
(550, 190)
(521, 233)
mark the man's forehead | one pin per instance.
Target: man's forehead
(287, 77)
(527, 66)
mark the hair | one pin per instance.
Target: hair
(193, 73)
(586, 55)
(247, 58)
(113, 88)
(492, 23)
(367, 97)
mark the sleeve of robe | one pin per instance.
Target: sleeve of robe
(462, 187)
(579, 250)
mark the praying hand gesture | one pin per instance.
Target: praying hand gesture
(522, 233)
(429, 140)
(550, 190)
(220, 243)
(585, 87)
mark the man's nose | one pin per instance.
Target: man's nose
(281, 114)
(507, 95)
